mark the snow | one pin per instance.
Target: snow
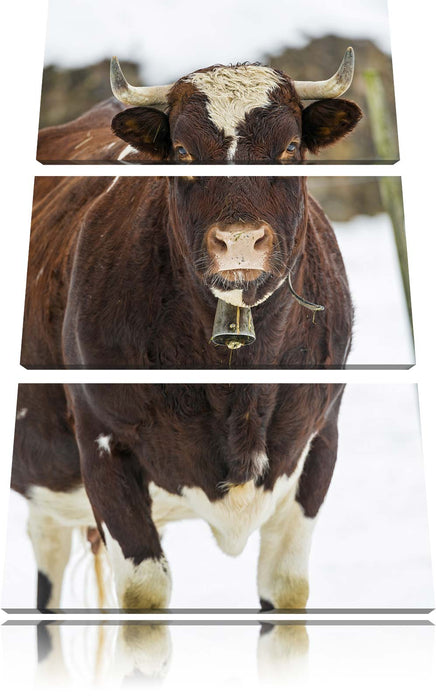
(382, 333)
(168, 42)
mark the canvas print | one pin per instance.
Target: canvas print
(291, 82)
(217, 272)
(141, 655)
(217, 497)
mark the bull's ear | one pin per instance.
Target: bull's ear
(327, 121)
(144, 128)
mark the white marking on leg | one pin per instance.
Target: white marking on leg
(52, 546)
(232, 93)
(22, 413)
(146, 585)
(284, 551)
(103, 444)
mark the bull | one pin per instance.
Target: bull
(126, 272)
(240, 113)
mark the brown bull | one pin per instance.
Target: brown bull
(126, 272)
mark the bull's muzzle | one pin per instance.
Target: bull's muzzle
(240, 251)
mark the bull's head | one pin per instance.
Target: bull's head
(235, 113)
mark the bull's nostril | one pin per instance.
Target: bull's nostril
(260, 243)
(220, 243)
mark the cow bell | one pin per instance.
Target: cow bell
(233, 326)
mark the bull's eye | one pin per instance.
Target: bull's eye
(182, 153)
(291, 148)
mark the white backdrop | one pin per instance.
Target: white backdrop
(357, 674)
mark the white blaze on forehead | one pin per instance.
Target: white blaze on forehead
(233, 92)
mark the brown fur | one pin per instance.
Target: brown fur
(119, 278)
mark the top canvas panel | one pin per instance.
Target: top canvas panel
(243, 82)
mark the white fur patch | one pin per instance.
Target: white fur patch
(285, 547)
(243, 509)
(104, 444)
(149, 582)
(232, 93)
(126, 152)
(22, 413)
(71, 508)
(168, 507)
(52, 546)
(260, 462)
(234, 296)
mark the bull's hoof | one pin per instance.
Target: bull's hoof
(148, 588)
(286, 594)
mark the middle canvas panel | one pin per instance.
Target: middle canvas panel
(217, 272)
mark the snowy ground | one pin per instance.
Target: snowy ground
(382, 333)
(168, 43)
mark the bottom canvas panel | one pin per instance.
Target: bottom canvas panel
(112, 655)
(217, 498)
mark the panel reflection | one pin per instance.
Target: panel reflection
(110, 654)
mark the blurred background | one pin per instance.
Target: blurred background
(160, 42)
(368, 219)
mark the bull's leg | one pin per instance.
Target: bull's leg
(284, 557)
(283, 571)
(118, 492)
(51, 543)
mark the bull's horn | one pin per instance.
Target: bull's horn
(334, 86)
(138, 96)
